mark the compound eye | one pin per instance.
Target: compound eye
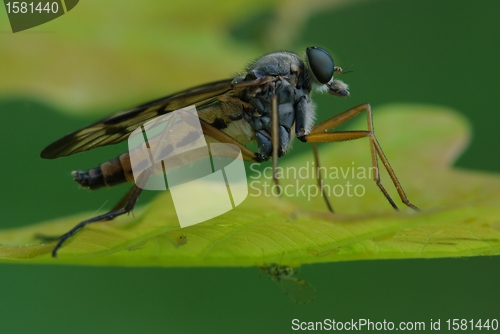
(321, 63)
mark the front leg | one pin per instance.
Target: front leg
(318, 134)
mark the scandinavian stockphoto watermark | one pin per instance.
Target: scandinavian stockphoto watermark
(205, 179)
(345, 181)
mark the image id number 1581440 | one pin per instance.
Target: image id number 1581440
(16, 7)
(464, 324)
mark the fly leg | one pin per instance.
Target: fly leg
(131, 199)
(136, 191)
(247, 154)
(123, 201)
(319, 178)
(318, 134)
(275, 138)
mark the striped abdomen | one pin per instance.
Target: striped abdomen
(119, 170)
(109, 173)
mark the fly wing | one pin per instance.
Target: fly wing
(118, 127)
(298, 290)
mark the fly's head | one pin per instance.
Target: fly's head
(277, 272)
(322, 68)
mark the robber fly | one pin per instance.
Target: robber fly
(298, 290)
(269, 103)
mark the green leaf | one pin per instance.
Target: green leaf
(150, 54)
(460, 210)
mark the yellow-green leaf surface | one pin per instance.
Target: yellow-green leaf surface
(460, 210)
(89, 59)
(104, 53)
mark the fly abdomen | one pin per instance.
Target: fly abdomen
(109, 173)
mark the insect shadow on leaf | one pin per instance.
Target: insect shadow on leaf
(298, 290)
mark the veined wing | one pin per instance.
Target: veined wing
(298, 290)
(118, 127)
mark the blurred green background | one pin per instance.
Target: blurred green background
(102, 57)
